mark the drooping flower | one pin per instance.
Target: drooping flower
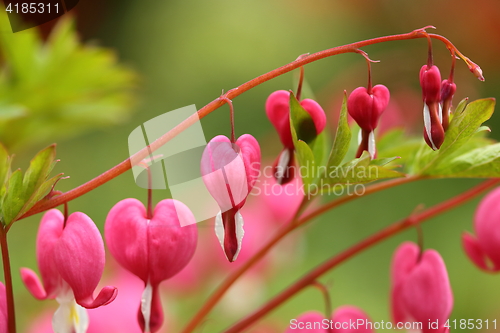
(278, 112)
(345, 319)
(430, 81)
(71, 260)
(484, 248)
(153, 249)
(366, 107)
(229, 171)
(421, 290)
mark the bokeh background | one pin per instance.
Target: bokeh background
(186, 52)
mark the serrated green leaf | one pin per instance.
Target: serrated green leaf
(39, 194)
(358, 171)
(14, 198)
(58, 88)
(40, 167)
(384, 161)
(301, 122)
(482, 162)
(342, 138)
(463, 127)
(307, 166)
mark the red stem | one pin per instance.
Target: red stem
(11, 314)
(374, 239)
(217, 103)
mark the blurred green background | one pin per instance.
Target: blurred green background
(186, 52)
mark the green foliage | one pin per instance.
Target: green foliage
(310, 148)
(342, 137)
(21, 192)
(465, 152)
(57, 88)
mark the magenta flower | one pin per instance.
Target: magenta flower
(430, 81)
(278, 112)
(229, 172)
(345, 319)
(71, 261)
(366, 107)
(421, 290)
(484, 248)
(152, 249)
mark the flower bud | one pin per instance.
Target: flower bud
(448, 89)
(421, 290)
(484, 248)
(430, 81)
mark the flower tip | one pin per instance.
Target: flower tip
(106, 296)
(33, 284)
(477, 71)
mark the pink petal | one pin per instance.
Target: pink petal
(79, 256)
(474, 251)
(155, 249)
(316, 112)
(345, 315)
(49, 232)
(126, 236)
(487, 226)
(426, 292)
(250, 153)
(309, 322)
(33, 284)
(170, 246)
(278, 112)
(403, 262)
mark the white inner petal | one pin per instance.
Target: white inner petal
(219, 229)
(282, 164)
(427, 125)
(147, 297)
(371, 144)
(440, 113)
(69, 317)
(360, 137)
(239, 233)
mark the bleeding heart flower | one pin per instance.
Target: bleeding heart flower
(484, 248)
(152, 249)
(345, 319)
(278, 112)
(71, 260)
(421, 290)
(229, 172)
(366, 107)
(430, 81)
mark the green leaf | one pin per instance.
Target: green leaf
(39, 193)
(463, 126)
(481, 162)
(60, 87)
(342, 138)
(14, 197)
(359, 171)
(40, 167)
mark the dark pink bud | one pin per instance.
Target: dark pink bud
(278, 112)
(421, 290)
(229, 172)
(448, 89)
(484, 248)
(152, 249)
(430, 81)
(366, 108)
